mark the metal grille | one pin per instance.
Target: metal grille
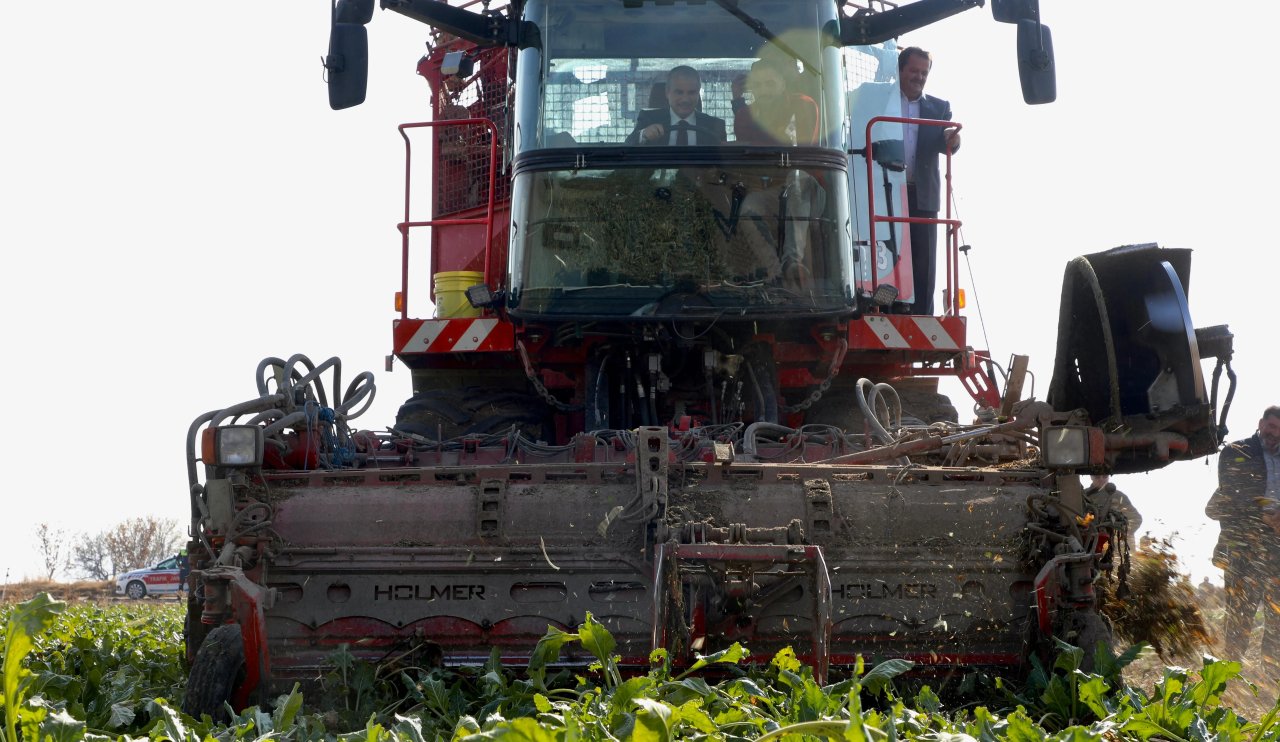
(462, 151)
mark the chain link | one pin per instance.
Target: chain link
(832, 373)
(542, 391)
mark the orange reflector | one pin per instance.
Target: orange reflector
(208, 448)
(399, 301)
(960, 296)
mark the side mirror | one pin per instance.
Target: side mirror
(359, 12)
(1012, 11)
(347, 65)
(1036, 70)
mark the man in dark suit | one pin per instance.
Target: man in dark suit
(681, 122)
(923, 144)
(1247, 506)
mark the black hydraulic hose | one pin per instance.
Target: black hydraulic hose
(756, 392)
(711, 398)
(287, 421)
(286, 378)
(783, 197)
(361, 387)
(313, 372)
(888, 207)
(642, 405)
(1226, 403)
(598, 394)
(191, 446)
(624, 383)
(653, 398)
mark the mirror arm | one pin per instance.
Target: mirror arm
(871, 28)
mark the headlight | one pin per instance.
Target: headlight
(232, 445)
(1072, 447)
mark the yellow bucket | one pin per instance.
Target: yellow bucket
(451, 293)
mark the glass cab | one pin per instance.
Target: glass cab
(685, 158)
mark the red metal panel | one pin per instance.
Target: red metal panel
(905, 332)
(470, 335)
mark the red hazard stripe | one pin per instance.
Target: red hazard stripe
(470, 335)
(904, 332)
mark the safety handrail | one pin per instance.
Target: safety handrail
(952, 303)
(486, 220)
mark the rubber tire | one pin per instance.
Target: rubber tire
(218, 669)
(450, 413)
(928, 406)
(135, 590)
(839, 407)
(193, 630)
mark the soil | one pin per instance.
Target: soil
(1149, 669)
(85, 590)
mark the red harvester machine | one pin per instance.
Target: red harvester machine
(675, 387)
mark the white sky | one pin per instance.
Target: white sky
(179, 203)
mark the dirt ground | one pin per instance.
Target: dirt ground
(91, 590)
(1149, 669)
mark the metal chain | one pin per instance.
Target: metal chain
(832, 373)
(542, 391)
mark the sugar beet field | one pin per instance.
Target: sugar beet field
(90, 671)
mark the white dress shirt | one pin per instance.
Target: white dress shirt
(910, 133)
(672, 133)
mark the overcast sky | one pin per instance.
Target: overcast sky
(179, 203)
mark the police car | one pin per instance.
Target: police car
(165, 577)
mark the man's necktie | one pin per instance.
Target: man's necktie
(682, 133)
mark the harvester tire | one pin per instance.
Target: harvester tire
(927, 407)
(219, 667)
(442, 414)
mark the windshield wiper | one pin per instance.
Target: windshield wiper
(755, 24)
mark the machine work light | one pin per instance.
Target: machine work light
(232, 445)
(1072, 447)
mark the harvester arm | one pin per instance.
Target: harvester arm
(483, 30)
(871, 28)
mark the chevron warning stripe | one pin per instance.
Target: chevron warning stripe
(903, 332)
(478, 335)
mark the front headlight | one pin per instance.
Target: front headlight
(1072, 447)
(232, 445)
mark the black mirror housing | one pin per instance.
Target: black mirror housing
(358, 12)
(1036, 68)
(347, 65)
(1013, 11)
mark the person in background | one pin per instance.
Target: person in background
(681, 123)
(775, 116)
(1247, 507)
(184, 569)
(923, 145)
(739, 90)
(1104, 492)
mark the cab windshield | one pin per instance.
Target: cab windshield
(679, 241)
(603, 65)
(680, 158)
